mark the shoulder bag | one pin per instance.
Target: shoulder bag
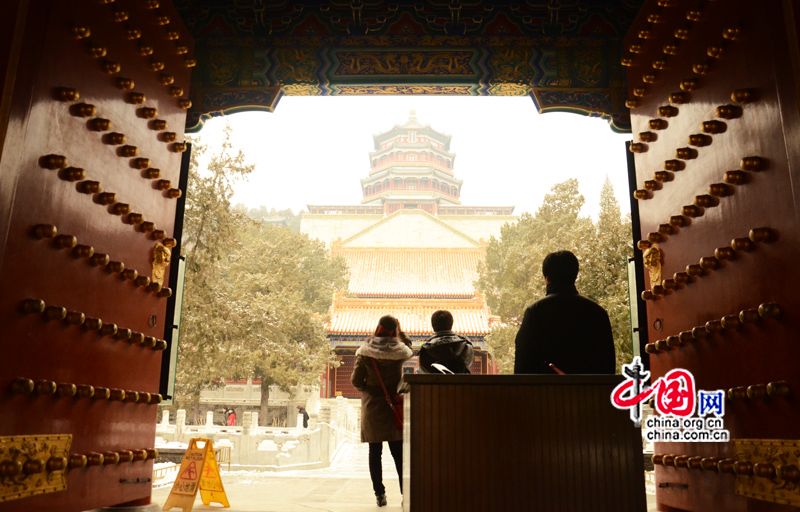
(395, 402)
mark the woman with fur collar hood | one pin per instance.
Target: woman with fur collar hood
(389, 347)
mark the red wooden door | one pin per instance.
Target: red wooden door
(92, 119)
(715, 122)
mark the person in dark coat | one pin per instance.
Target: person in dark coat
(302, 410)
(388, 348)
(445, 347)
(564, 331)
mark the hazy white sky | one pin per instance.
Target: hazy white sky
(314, 150)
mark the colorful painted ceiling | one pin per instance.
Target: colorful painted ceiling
(563, 53)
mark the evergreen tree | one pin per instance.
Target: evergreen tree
(210, 233)
(614, 248)
(281, 284)
(511, 278)
(255, 295)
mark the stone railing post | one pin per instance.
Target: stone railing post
(165, 418)
(180, 424)
(210, 419)
(340, 414)
(246, 417)
(324, 415)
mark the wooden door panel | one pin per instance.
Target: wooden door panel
(755, 58)
(41, 124)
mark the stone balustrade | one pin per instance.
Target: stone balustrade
(271, 448)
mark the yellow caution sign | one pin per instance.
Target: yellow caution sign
(199, 471)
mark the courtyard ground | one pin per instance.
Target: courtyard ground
(343, 487)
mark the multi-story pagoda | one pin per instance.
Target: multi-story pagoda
(410, 246)
(411, 167)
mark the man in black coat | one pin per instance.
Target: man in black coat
(445, 347)
(564, 331)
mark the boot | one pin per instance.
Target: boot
(381, 499)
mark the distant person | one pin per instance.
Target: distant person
(377, 373)
(564, 332)
(445, 347)
(302, 410)
(231, 418)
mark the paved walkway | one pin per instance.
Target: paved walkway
(343, 487)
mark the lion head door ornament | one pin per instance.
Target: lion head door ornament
(161, 258)
(653, 259)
